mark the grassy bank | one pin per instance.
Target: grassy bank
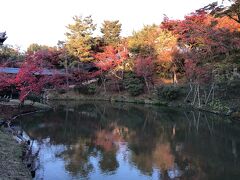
(113, 97)
(11, 152)
(11, 165)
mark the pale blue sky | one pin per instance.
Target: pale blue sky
(44, 21)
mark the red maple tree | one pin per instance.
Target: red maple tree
(202, 40)
(144, 67)
(35, 74)
(108, 61)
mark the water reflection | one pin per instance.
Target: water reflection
(125, 141)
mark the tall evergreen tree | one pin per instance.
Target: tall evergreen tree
(111, 32)
(232, 10)
(79, 38)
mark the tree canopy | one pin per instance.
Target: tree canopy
(111, 32)
(79, 38)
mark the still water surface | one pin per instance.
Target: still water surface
(98, 140)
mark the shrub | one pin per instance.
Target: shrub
(86, 89)
(168, 92)
(133, 84)
(61, 91)
(34, 97)
(217, 105)
(91, 89)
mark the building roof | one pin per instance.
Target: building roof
(3, 37)
(10, 70)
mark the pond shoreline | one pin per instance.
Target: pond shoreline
(15, 152)
(144, 99)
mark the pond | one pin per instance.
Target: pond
(100, 140)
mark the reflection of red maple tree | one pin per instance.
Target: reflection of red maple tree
(107, 139)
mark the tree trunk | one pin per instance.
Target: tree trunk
(66, 74)
(175, 81)
(210, 92)
(190, 91)
(104, 84)
(199, 99)
(195, 95)
(147, 85)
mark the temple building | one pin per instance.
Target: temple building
(3, 37)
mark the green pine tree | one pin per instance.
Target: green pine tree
(79, 38)
(111, 32)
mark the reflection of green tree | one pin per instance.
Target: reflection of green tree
(143, 162)
(156, 136)
(207, 147)
(108, 162)
(77, 158)
(58, 128)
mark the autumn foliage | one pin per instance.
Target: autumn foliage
(110, 58)
(27, 82)
(144, 67)
(196, 49)
(6, 81)
(204, 41)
